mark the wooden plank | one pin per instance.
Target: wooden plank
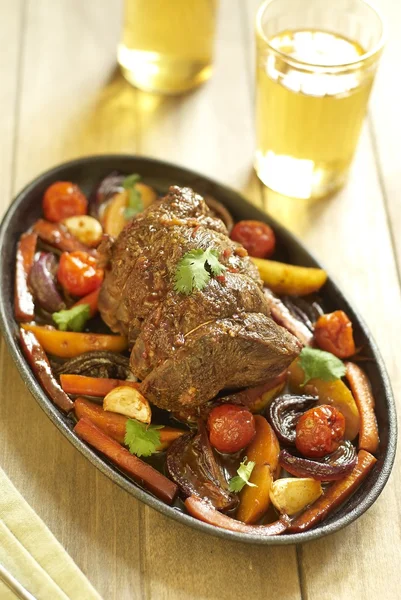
(385, 118)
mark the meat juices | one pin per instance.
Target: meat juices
(185, 349)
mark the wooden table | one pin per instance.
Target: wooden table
(61, 98)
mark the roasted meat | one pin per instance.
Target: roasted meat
(186, 348)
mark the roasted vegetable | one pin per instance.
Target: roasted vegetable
(92, 301)
(258, 397)
(42, 281)
(78, 273)
(334, 495)
(231, 427)
(143, 473)
(86, 229)
(104, 191)
(255, 498)
(40, 365)
(99, 364)
(81, 385)
(291, 495)
(284, 412)
(257, 238)
(332, 467)
(24, 308)
(333, 333)
(362, 392)
(193, 466)
(128, 401)
(115, 425)
(204, 511)
(264, 448)
(67, 344)
(281, 314)
(282, 278)
(319, 431)
(58, 236)
(63, 199)
(334, 393)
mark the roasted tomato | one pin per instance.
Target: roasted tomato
(256, 237)
(78, 273)
(231, 427)
(63, 199)
(319, 431)
(333, 333)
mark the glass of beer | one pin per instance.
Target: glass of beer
(316, 61)
(167, 45)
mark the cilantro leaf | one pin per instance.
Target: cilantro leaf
(142, 439)
(135, 203)
(320, 365)
(192, 271)
(244, 472)
(73, 319)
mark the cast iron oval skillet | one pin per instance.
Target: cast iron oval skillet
(86, 172)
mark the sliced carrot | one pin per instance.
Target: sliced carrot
(254, 500)
(264, 448)
(58, 236)
(40, 365)
(68, 344)
(143, 473)
(334, 495)
(81, 385)
(114, 425)
(92, 300)
(204, 511)
(362, 392)
(24, 307)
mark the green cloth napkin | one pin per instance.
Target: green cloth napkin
(31, 553)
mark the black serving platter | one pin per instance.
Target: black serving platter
(86, 172)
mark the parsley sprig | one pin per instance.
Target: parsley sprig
(242, 478)
(135, 203)
(195, 269)
(318, 364)
(141, 439)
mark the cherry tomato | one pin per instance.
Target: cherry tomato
(333, 333)
(319, 431)
(231, 427)
(78, 273)
(257, 237)
(63, 199)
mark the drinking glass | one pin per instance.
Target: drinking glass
(167, 45)
(316, 61)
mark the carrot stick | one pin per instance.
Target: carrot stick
(334, 495)
(24, 307)
(40, 365)
(114, 424)
(58, 236)
(361, 390)
(143, 473)
(81, 385)
(68, 344)
(92, 300)
(204, 511)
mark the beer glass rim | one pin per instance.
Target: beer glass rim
(375, 51)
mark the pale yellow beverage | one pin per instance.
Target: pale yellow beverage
(167, 45)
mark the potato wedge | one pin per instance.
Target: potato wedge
(113, 217)
(291, 495)
(127, 401)
(86, 229)
(254, 501)
(282, 278)
(148, 194)
(259, 404)
(334, 393)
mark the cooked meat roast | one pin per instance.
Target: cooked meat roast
(186, 348)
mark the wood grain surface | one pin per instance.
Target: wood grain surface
(62, 97)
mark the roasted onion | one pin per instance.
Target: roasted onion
(334, 466)
(284, 412)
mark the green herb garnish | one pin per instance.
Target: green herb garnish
(318, 364)
(73, 319)
(195, 268)
(135, 203)
(142, 439)
(244, 472)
